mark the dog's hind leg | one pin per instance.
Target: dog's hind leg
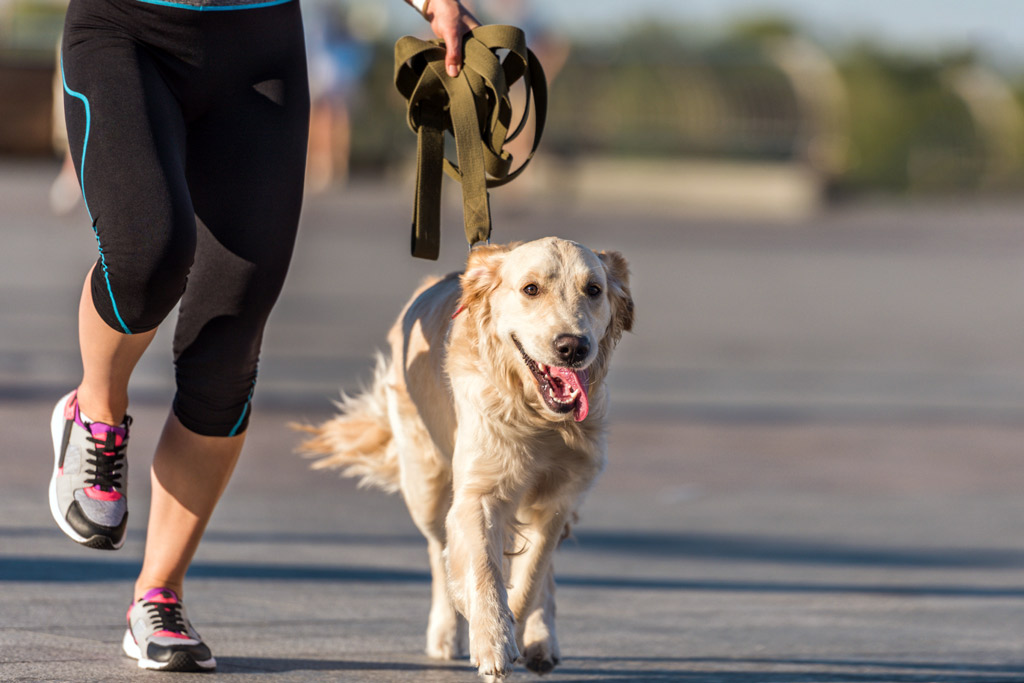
(427, 491)
(446, 629)
(426, 487)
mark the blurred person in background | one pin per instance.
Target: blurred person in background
(64, 191)
(337, 63)
(188, 132)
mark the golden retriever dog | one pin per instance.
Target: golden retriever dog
(490, 418)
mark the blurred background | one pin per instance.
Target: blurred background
(797, 102)
(817, 424)
(821, 144)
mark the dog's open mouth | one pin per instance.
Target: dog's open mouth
(563, 389)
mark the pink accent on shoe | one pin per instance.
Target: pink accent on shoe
(164, 595)
(71, 407)
(96, 493)
(99, 430)
(171, 634)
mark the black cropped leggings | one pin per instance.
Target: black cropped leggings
(188, 130)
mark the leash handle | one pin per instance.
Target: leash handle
(475, 108)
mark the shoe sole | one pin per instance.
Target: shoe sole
(57, 432)
(179, 661)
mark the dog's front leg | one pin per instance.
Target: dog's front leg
(476, 528)
(532, 577)
(539, 643)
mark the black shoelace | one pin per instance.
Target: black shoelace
(165, 616)
(108, 461)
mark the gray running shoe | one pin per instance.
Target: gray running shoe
(161, 637)
(89, 485)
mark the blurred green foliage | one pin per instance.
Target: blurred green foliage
(894, 122)
(908, 129)
(650, 94)
(29, 29)
(904, 124)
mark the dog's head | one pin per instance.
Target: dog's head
(552, 311)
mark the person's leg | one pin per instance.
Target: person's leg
(246, 162)
(189, 474)
(133, 183)
(108, 358)
(135, 192)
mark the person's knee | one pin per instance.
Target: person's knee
(218, 338)
(134, 291)
(215, 408)
(216, 379)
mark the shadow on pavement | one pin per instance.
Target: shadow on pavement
(693, 546)
(762, 548)
(61, 570)
(263, 537)
(249, 665)
(696, 546)
(791, 670)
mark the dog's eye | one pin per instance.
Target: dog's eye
(531, 290)
(593, 290)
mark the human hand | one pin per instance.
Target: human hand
(450, 21)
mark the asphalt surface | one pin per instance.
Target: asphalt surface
(815, 459)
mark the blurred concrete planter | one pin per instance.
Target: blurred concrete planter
(782, 191)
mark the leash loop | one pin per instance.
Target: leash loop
(476, 110)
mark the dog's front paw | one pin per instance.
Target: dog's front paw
(541, 656)
(496, 663)
(494, 650)
(541, 653)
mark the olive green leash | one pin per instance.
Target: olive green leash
(475, 108)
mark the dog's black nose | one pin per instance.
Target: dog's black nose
(571, 348)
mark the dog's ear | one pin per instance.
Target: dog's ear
(481, 275)
(618, 289)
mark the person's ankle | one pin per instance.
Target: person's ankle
(105, 411)
(144, 587)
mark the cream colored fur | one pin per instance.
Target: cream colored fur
(491, 476)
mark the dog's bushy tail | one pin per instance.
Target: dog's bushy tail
(358, 440)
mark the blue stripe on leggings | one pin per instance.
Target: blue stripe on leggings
(214, 8)
(81, 176)
(245, 410)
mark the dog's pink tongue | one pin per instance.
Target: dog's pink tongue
(578, 380)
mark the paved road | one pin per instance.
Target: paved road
(814, 463)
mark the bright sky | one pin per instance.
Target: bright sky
(994, 26)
